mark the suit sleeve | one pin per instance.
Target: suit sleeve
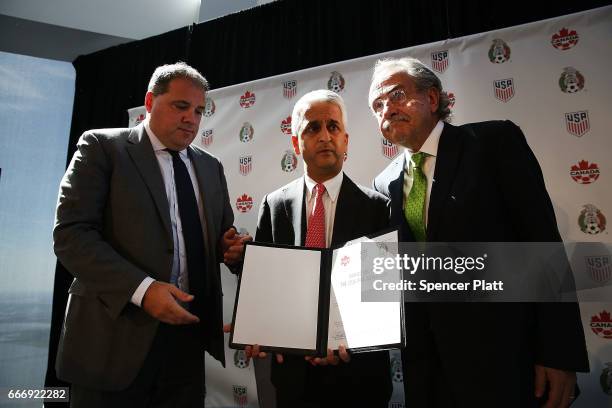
(227, 221)
(77, 235)
(532, 212)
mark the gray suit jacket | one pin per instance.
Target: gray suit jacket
(112, 230)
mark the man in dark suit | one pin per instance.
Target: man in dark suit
(324, 208)
(478, 182)
(143, 220)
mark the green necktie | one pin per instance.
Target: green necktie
(414, 209)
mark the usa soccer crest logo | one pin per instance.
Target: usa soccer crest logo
(439, 61)
(599, 268)
(577, 123)
(289, 161)
(591, 220)
(289, 88)
(209, 107)
(451, 100)
(240, 395)
(584, 172)
(605, 379)
(564, 39)
(246, 164)
(285, 126)
(499, 52)
(207, 137)
(336, 82)
(244, 203)
(601, 325)
(503, 89)
(240, 359)
(247, 100)
(389, 150)
(246, 132)
(571, 80)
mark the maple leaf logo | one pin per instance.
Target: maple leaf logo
(584, 173)
(247, 100)
(244, 203)
(286, 126)
(345, 260)
(601, 325)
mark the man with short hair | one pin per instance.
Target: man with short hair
(324, 208)
(479, 182)
(143, 220)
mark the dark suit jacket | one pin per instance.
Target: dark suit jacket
(282, 220)
(488, 187)
(113, 229)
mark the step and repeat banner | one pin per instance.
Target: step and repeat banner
(553, 78)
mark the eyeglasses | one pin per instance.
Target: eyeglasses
(396, 97)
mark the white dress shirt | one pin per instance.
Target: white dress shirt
(178, 275)
(431, 148)
(330, 199)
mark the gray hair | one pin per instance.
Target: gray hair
(422, 76)
(309, 99)
(164, 74)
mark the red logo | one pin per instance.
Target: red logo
(584, 173)
(602, 325)
(564, 39)
(244, 203)
(247, 100)
(389, 150)
(439, 61)
(345, 260)
(139, 119)
(207, 137)
(286, 126)
(451, 100)
(504, 89)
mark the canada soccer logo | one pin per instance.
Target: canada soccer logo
(240, 359)
(577, 123)
(207, 137)
(503, 89)
(209, 107)
(584, 172)
(289, 88)
(451, 100)
(336, 82)
(244, 203)
(571, 80)
(439, 61)
(389, 150)
(285, 126)
(605, 379)
(599, 268)
(289, 161)
(246, 132)
(591, 220)
(246, 164)
(564, 39)
(601, 325)
(247, 100)
(139, 119)
(499, 52)
(240, 395)
(345, 260)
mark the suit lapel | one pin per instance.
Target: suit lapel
(295, 209)
(141, 151)
(449, 151)
(396, 192)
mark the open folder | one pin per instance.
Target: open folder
(298, 300)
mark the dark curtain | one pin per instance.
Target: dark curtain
(279, 37)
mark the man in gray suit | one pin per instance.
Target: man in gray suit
(143, 220)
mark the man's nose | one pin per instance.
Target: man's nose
(324, 135)
(190, 116)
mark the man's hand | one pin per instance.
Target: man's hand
(231, 246)
(561, 385)
(160, 302)
(343, 355)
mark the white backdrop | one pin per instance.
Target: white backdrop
(551, 77)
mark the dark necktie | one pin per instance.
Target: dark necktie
(192, 232)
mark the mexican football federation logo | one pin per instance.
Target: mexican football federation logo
(289, 161)
(577, 123)
(336, 82)
(571, 80)
(246, 164)
(499, 52)
(285, 126)
(209, 107)
(389, 150)
(439, 61)
(244, 203)
(240, 395)
(247, 100)
(564, 39)
(605, 379)
(240, 359)
(246, 132)
(599, 268)
(591, 220)
(396, 370)
(503, 89)
(289, 88)
(601, 325)
(584, 172)
(207, 137)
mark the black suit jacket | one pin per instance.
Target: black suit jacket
(282, 220)
(488, 187)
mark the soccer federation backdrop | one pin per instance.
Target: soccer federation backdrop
(552, 78)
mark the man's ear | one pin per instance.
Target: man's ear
(296, 144)
(149, 101)
(433, 96)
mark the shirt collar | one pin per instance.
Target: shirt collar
(431, 143)
(332, 186)
(155, 142)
